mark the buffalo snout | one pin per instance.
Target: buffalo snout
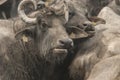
(67, 43)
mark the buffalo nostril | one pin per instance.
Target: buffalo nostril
(67, 43)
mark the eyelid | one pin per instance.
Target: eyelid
(44, 24)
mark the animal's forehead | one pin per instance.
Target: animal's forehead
(52, 19)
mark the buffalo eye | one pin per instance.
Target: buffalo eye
(44, 26)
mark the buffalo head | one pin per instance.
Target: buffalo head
(48, 32)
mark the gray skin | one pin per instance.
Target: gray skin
(36, 59)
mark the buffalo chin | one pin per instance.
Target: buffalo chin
(56, 55)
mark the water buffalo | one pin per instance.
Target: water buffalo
(98, 57)
(38, 51)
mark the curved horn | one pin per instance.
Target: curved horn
(66, 11)
(22, 13)
(117, 2)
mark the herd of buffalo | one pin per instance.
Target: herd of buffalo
(59, 39)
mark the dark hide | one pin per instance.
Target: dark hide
(34, 59)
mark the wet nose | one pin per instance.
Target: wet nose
(67, 43)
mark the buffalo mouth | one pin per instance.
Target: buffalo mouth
(60, 51)
(57, 54)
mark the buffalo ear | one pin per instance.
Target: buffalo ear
(77, 33)
(96, 20)
(25, 33)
